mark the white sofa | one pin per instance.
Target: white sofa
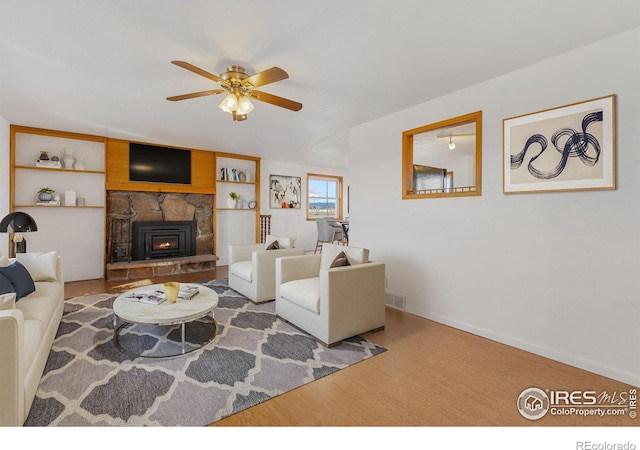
(331, 303)
(27, 330)
(252, 268)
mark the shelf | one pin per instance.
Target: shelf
(58, 206)
(235, 209)
(62, 169)
(237, 182)
(77, 232)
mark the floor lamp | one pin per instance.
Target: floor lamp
(18, 223)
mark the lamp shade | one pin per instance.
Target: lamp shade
(229, 103)
(18, 222)
(244, 105)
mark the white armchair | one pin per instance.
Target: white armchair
(252, 268)
(331, 303)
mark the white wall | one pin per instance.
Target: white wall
(293, 222)
(555, 273)
(4, 181)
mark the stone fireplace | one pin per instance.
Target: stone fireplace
(166, 239)
(128, 211)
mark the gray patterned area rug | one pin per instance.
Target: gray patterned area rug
(254, 357)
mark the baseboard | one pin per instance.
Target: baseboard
(590, 366)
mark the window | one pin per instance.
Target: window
(324, 196)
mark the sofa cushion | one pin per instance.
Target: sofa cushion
(4, 261)
(41, 266)
(304, 293)
(33, 335)
(41, 304)
(20, 278)
(355, 255)
(283, 242)
(8, 301)
(242, 270)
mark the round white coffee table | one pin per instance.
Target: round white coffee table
(164, 314)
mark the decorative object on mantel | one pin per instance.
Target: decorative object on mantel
(284, 191)
(232, 200)
(45, 194)
(44, 156)
(68, 158)
(18, 222)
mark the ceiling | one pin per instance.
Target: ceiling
(103, 66)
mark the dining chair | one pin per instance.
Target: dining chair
(327, 233)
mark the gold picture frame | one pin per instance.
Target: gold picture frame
(566, 148)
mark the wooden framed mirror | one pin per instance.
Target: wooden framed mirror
(443, 159)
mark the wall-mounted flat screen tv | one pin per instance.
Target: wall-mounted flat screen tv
(159, 164)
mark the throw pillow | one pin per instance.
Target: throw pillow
(283, 242)
(4, 261)
(340, 260)
(8, 301)
(5, 286)
(19, 277)
(273, 246)
(41, 266)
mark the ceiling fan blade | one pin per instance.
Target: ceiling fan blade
(199, 71)
(195, 94)
(275, 100)
(266, 77)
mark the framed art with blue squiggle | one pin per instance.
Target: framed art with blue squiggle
(566, 148)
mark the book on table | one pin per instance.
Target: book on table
(188, 291)
(150, 296)
(155, 296)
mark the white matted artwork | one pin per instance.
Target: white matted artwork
(565, 148)
(285, 191)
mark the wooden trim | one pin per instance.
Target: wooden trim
(117, 168)
(407, 156)
(340, 196)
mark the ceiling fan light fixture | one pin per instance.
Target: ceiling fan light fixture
(229, 103)
(244, 105)
(237, 117)
(452, 145)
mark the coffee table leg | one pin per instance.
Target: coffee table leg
(183, 325)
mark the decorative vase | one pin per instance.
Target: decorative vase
(68, 158)
(79, 163)
(45, 197)
(171, 290)
(231, 203)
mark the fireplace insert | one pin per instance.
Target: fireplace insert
(163, 239)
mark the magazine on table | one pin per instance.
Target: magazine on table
(188, 291)
(150, 296)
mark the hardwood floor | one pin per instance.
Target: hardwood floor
(431, 375)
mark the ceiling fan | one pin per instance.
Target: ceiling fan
(240, 87)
